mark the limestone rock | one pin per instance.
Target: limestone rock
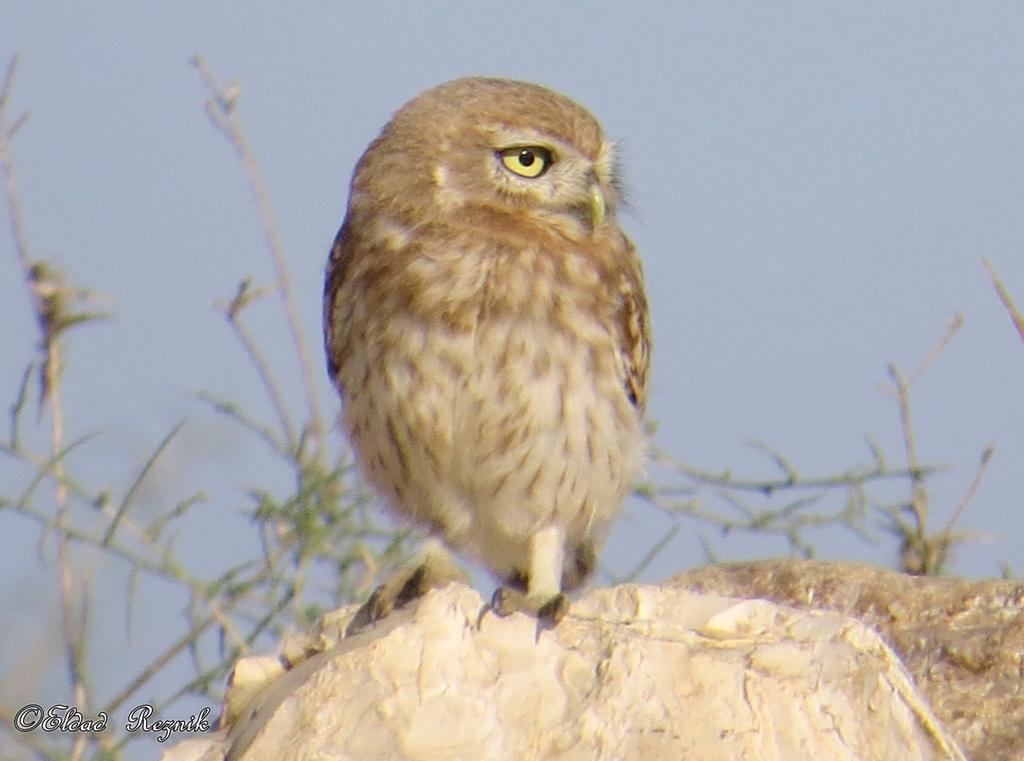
(962, 640)
(633, 672)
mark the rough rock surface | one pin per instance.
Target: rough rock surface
(963, 641)
(633, 672)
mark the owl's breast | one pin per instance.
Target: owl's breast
(485, 392)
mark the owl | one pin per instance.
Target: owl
(487, 329)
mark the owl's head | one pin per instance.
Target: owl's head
(494, 146)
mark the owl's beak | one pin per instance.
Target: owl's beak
(596, 206)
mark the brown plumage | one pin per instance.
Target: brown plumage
(486, 326)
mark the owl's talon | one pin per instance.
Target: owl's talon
(549, 612)
(553, 610)
(433, 568)
(507, 601)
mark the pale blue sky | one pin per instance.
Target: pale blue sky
(813, 186)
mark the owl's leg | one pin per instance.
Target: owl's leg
(544, 597)
(431, 567)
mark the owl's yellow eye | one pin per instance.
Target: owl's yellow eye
(526, 161)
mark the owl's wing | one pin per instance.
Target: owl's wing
(338, 266)
(634, 330)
